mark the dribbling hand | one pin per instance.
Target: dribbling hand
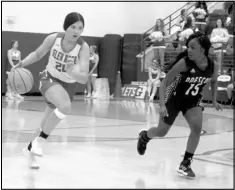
(69, 67)
(163, 111)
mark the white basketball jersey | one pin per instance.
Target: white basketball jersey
(15, 55)
(58, 59)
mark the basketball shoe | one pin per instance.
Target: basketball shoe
(32, 162)
(142, 142)
(185, 168)
(37, 146)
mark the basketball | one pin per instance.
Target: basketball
(21, 80)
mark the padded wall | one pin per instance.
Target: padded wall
(110, 58)
(131, 48)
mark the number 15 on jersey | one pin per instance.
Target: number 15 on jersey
(194, 89)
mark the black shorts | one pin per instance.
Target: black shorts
(47, 81)
(177, 103)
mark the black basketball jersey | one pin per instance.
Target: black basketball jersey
(189, 84)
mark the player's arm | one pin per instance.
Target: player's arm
(40, 52)
(214, 83)
(150, 73)
(9, 56)
(96, 63)
(180, 66)
(19, 56)
(81, 69)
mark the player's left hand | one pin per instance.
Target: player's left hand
(218, 106)
(69, 67)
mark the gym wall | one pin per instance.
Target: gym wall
(101, 18)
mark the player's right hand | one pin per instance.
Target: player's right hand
(19, 65)
(163, 111)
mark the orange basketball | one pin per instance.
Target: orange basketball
(21, 80)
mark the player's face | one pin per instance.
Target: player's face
(92, 50)
(74, 31)
(15, 45)
(219, 23)
(158, 23)
(195, 51)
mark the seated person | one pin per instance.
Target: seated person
(154, 79)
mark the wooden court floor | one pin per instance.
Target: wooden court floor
(95, 147)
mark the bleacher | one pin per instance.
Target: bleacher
(175, 47)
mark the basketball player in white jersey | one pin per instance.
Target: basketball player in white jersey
(68, 64)
(14, 57)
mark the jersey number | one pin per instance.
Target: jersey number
(195, 91)
(60, 67)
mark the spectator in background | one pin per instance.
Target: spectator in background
(182, 19)
(157, 37)
(94, 60)
(154, 79)
(187, 30)
(219, 36)
(14, 57)
(200, 15)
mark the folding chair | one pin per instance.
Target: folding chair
(223, 82)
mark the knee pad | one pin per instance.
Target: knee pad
(59, 114)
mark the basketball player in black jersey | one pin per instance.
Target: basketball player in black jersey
(181, 91)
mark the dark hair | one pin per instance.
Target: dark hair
(182, 11)
(13, 42)
(71, 18)
(188, 23)
(203, 40)
(161, 28)
(199, 3)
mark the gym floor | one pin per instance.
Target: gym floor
(95, 147)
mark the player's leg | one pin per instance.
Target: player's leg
(89, 87)
(154, 91)
(218, 56)
(93, 78)
(9, 93)
(164, 125)
(59, 97)
(149, 87)
(48, 111)
(194, 119)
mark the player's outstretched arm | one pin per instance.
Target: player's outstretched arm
(40, 52)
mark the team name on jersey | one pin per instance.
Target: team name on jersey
(202, 80)
(60, 56)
